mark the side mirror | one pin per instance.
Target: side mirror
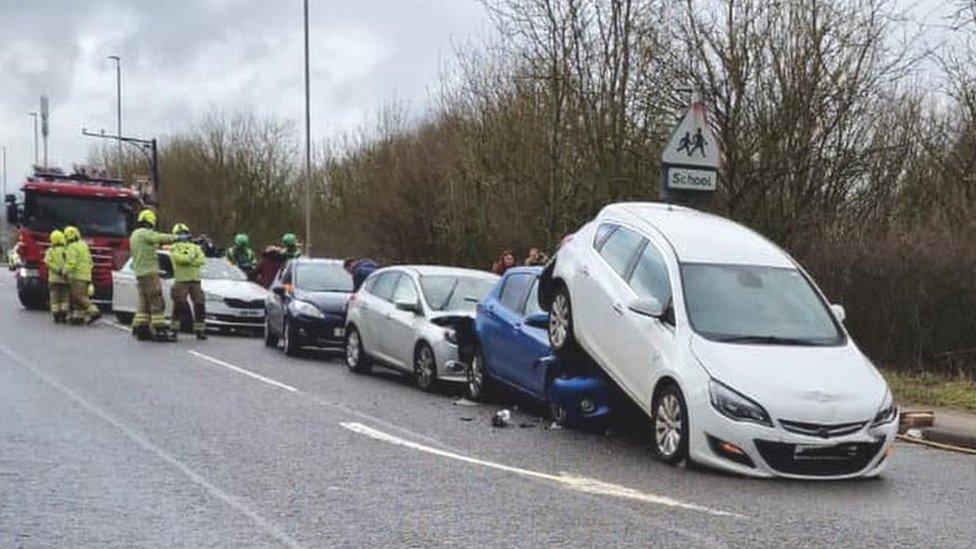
(537, 320)
(647, 306)
(13, 213)
(409, 306)
(10, 198)
(278, 291)
(839, 312)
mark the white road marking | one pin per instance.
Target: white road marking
(268, 527)
(116, 325)
(239, 370)
(580, 484)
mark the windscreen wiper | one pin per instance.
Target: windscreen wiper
(767, 340)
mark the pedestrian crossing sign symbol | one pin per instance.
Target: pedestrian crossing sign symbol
(692, 143)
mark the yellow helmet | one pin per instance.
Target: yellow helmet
(180, 228)
(147, 216)
(72, 233)
(57, 238)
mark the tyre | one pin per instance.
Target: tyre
(424, 367)
(357, 360)
(289, 342)
(124, 319)
(479, 385)
(670, 420)
(31, 302)
(561, 336)
(270, 338)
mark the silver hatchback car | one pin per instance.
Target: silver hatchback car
(417, 320)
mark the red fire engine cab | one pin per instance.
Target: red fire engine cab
(102, 209)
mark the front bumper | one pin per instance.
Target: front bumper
(220, 316)
(760, 451)
(328, 332)
(582, 397)
(450, 367)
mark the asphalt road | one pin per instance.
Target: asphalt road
(107, 442)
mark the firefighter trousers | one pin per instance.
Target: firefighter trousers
(82, 309)
(60, 298)
(184, 293)
(150, 307)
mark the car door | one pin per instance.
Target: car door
(399, 334)
(374, 306)
(638, 344)
(606, 291)
(277, 300)
(166, 280)
(124, 290)
(534, 344)
(508, 348)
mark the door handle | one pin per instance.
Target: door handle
(618, 308)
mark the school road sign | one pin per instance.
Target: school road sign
(691, 159)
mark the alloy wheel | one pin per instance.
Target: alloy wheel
(424, 368)
(352, 350)
(559, 321)
(476, 377)
(668, 422)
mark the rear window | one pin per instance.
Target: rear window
(455, 293)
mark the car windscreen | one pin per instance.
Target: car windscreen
(454, 293)
(756, 304)
(93, 216)
(322, 277)
(219, 269)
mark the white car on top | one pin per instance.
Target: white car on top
(232, 302)
(723, 340)
(416, 319)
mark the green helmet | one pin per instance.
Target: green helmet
(72, 234)
(241, 240)
(180, 228)
(57, 238)
(289, 240)
(148, 217)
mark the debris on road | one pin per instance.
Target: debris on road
(465, 402)
(914, 419)
(501, 418)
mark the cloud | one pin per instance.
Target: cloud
(184, 58)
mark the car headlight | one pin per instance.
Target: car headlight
(307, 309)
(888, 411)
(212, 297)
(736, 406)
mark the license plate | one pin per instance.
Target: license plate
(338, 332)
(251, 313)
(805, 449)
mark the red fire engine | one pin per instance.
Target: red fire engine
(103, 209)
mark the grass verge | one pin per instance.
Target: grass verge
(928, 389)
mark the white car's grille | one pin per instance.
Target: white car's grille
(822, 430)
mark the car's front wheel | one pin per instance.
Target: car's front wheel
(670, 417)
(289, 341)
(356, 359)
(270, 338)
(479, 383)
(561, 336)
(425, 368)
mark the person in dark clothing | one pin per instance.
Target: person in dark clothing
(360, 269)
(272, 260)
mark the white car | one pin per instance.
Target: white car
(232, 302)
(417, 320)
(723, 340)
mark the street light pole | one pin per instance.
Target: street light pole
(4, 149)
(308, 147)
(118, 103)
(34, 116)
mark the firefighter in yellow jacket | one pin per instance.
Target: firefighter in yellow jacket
(78, 266)
(149, 321)
(57, 284)
(188, 259)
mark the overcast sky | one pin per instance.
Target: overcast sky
(183, 58)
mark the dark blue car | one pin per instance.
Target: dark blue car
(513, 351)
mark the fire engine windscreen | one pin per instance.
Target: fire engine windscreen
(94, 216)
